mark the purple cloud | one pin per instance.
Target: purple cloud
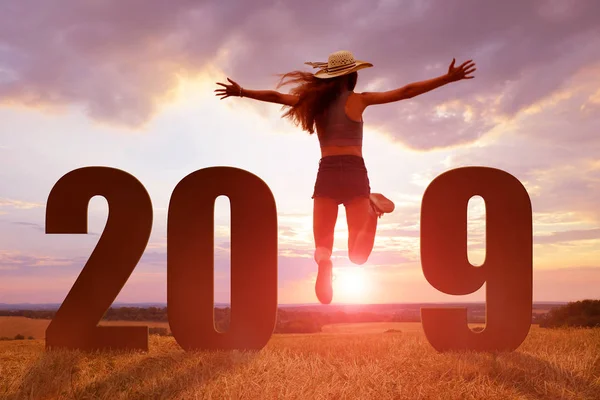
(119, 60)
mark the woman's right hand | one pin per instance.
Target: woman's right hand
(230, 90)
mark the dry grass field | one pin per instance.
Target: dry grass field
(364, 364)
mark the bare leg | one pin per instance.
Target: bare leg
(362, 225)
(325, 214)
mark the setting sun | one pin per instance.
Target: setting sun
(351, 284)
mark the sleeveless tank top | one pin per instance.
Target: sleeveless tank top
(335, 128)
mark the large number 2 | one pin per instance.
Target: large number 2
(506, 271)
(111, 263)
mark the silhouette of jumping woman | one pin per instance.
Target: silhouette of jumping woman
(326, 101)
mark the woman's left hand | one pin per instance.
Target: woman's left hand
(461, 72)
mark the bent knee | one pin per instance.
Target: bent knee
(357, 258)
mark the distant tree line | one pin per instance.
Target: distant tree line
(298, 320)
(579, 314)
(35, 314)
(288, 321)
(17, 337)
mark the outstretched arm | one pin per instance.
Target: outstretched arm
(416, 88)
(269, 96)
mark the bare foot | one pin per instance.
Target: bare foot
(381, 204)
(323, 286)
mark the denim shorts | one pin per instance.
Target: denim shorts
(342, 178)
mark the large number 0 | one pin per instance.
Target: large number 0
(117, 253)
(190, 255)
(506, 271)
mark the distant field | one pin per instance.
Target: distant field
(377, 327)
(551, 364)
(539, 311)
(150, 324)
(11, 326)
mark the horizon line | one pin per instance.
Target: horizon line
(303, 304)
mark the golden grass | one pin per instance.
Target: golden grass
(551, 364)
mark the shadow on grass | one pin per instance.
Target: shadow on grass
(165, 376)
(50, 372)
(152, 375)
(539, 379)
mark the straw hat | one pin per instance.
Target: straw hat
(339, 63)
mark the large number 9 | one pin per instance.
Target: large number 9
(506, 271)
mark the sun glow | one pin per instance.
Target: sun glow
(351, 285)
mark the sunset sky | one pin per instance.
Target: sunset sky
(130, 85)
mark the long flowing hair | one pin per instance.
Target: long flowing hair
(315, 95)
